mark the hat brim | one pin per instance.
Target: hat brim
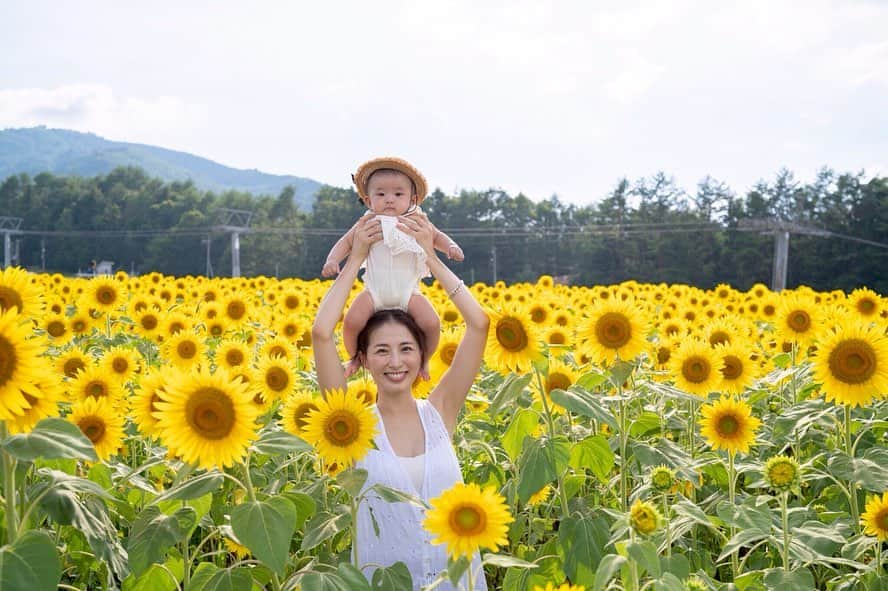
(364, 171)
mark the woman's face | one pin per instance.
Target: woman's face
(393, 357)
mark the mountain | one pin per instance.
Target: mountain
(64, 152)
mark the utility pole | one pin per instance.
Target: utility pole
(493, 260)
(781, 229)
(235, 222)
(208, 241)
(8, 227)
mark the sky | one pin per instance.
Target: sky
(540, 97)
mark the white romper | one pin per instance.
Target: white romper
(401, 535)
(394, 267)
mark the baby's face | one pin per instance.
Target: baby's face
(391, 193)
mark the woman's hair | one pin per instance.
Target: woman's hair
(395, 316)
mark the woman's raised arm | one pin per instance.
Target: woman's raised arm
(449, 395)
(328, 365)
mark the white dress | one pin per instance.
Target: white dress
(401, 535)
(394, 267)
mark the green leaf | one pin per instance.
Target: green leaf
(153, 533)
(591, 380)
(745, 537)
(536, 468)
(584, 403)
(393, 495)
(322, 526)
(524, 421)
(392, 578)
(317, 581)
(669, 582)
(280, 442)
(506, 561)
(607, 568)
(870, 471)
(352, 480)
(31, 563)
(266, 527)
(201, 576)
(305, 506)
(512, 386)
(799, 579)
(645, 554)
(620, 372)
(229, 579)
(595, 454)
(583, 540)
(193, 488)
(676, 564)
(156, 578)
(352, 577)
(52, 438)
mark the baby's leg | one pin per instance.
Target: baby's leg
(422, 311)
(353, 323)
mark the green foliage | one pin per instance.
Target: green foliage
(31, 562)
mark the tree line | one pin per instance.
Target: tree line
(649, 230)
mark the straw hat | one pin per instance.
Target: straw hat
(361, 177)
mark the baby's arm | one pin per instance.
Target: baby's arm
(446, 244)
(339, 251)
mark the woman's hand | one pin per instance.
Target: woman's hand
(418, 225)
(368, 231)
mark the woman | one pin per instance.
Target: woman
(414, 450)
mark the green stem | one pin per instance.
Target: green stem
(249, 480)
(550, 424)
(9, 490)
(852, 487)
(624, 444)
(275, 582)
(186, 559)
(735, 559)
(668, 529)
(354, 527)
(785, 524)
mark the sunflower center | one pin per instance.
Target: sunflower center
(769, 309)
(558, 381)
(277, 379)
(557, 338)
(277, 351)
(149, 321)
(450, 316)
(728, 425)
(467, 520)
(186, 349)
(290, 330)
(92, 427)
(538, 314)
(234, 357)
(210, 413)
(176, 327)
(799, 320)
(511, 335)
(613, 330)
(55, 328)
(96, 389)
(304, 339)
(7, 360)
(342, 428)
(106, 295)
(852, 361)
(695, 369)
(447, 353)
(216, 329)
(300, 414)
(78, 325)
(733, 367)
(866, 306)
(10, 298)
(236, 310)
(663, 355)
(881, 519)
(719, 337)
(120, 365)
(71, 367)
(782, 474)
(291, 302)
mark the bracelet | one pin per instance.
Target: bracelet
(456, 289)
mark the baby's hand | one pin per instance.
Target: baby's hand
(455, 253)
(331, 269)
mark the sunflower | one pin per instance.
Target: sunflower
(232, 354)
(443, 355)
(782, 473)
(147, 322)
(295, 411)
(95, 382)
(662, 479)
(540, 496)
(467, 518)
(276, 378)
(613, 329)
(21, 366)
(39, 407)
(122, 362)
(100, 423)
(561, 376)
(875, 518)
(185, 350)
(56, 327)
(728, 424)
(363, 389)
(104, 294)
(852, 363)
(866, 303)
(561, 587)
(80, 323)
(644, 517)
(278, 347)
(342, 428)
(145, 399)
(206, 419)
(558, 336)
(695, 367)
(17, 291)
(797, 319)
(72, 361)
(235, 310)
(175, 322)
(738, 370)
(512, 344)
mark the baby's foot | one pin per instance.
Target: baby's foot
(351, 368)
(424, 372)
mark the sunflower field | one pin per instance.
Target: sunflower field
(166, 433)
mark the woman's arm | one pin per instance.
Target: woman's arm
(328, 365)
(449, 395)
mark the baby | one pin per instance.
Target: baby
(390, 187)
